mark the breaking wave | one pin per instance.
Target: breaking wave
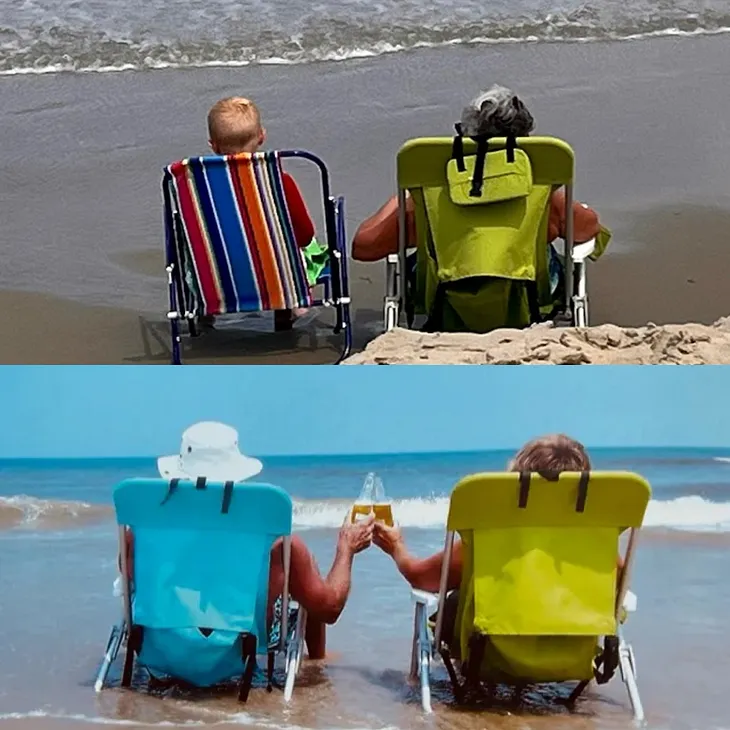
(689, 513)
(50, 45)
(24, 512)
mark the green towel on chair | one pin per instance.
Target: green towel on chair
(316, 258)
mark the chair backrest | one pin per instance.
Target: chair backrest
(541, 554)
(502, 236)
(229, 230)
(422, 162)
(202, 552)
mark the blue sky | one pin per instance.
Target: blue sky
(80, 412)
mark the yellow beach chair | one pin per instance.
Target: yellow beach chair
(497, 231)
(542, 598)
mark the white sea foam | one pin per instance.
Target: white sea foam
(239, 718)
(69, 50)
(691, 513)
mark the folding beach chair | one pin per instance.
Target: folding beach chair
(481, 215)
(541, 598)
(195, 608)
(230, 243)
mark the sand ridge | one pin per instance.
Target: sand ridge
(606, 344)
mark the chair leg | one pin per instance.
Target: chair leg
(628, 674)
(425, 671)
(110, 654)
(580, 295)
(294, 652)
(391, 304)
(413, 673)
(175, 336)
(347, 327)
(577, 692)
(128, 665)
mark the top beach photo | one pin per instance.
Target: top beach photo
(278, 182)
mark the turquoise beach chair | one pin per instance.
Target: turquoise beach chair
(195, 608)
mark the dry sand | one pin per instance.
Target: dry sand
(607, 344)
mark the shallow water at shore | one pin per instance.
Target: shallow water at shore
(56, 603)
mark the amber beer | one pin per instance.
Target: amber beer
(383, 512)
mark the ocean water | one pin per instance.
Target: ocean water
(55, 35)
(58, 563)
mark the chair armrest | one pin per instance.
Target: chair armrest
(630, 601)
(430, 600)
(581, 251)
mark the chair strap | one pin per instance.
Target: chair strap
(248, 655)
(524, 489)
(227, 496)
(580, 503)
(608, 661)
(482, 140)
(200, 483)
(449, 664)
(170, 490)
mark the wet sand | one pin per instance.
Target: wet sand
(82, 279)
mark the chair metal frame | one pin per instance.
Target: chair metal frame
(336, 285)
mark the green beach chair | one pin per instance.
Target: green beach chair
(482, 259)
(195, 608)
(542, 598)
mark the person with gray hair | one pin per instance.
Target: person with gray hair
(497, 112)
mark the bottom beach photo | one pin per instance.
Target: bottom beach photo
(319, 548)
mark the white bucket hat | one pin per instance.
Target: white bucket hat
(209, 449)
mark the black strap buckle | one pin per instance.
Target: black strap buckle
(170, 490)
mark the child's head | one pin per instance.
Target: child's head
(234, 125)
(551, 454)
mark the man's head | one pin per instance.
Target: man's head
(551, 454)
(234, 125)
(496, 113)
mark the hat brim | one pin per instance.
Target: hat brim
(233, 469)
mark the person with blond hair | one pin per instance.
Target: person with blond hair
(235, 127)
(547, 454)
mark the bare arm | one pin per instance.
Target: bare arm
(377, 236)
(585, 220)
(325, 598)
(422, 573)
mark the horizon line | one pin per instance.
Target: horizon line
(139, 457)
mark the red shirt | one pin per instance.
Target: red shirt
(300, 218)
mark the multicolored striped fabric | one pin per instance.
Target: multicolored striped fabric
(240, 252)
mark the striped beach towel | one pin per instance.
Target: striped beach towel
(239, 252)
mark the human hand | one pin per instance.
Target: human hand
(355, 537)
(388, 539)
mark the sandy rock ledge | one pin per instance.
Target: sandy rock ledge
(607, 344)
